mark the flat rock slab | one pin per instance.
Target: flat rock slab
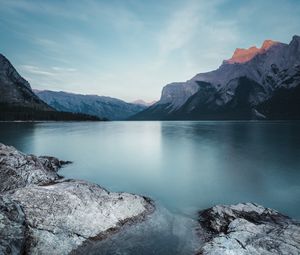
(247, 229)
(41, 213)
(61, 216)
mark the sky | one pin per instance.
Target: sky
(130, 49)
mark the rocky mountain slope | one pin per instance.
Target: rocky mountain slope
(19, 102)
(142, 102)
(15, 90)
(254, 83)
(110, 108)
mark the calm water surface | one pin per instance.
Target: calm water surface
(184, 166)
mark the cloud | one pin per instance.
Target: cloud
(54, 70)
(63, 69)
(44, 42)
(63, 9)
(197, 37)
(179, 29)
(117, 15)
(35, 70)
(48, 77)
(131, 49)
(187, 34)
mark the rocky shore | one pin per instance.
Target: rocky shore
(247, 229)
(43, 213)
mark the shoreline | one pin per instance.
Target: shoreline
(40, 210)
(57, 213)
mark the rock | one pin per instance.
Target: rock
(42, 213)
(177, 93)
(12, 227)
(18, 169)
(247, 229)
(61, 216)
(244, 55)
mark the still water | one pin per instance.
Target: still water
(183, 166)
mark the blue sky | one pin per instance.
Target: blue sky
(130, 49)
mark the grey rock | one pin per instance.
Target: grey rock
(41, 213)
(63, 215)
(12, 227)
(247, 229)
(176, 94)
(18, 169)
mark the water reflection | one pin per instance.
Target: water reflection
(18, 134)
(161, 233)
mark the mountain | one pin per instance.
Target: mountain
(142, 102)
(15, 90)
(110, 108)
(244, 55)
(256, 83)
(18, 101)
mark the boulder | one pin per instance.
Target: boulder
(247, 229)
(18, 169)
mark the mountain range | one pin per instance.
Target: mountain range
(18, 102)
(101, 106)
(255, 83)
(142, 102)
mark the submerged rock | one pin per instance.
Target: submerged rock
(247, 229)
(41, 213)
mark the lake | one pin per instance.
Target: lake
(184, 166)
